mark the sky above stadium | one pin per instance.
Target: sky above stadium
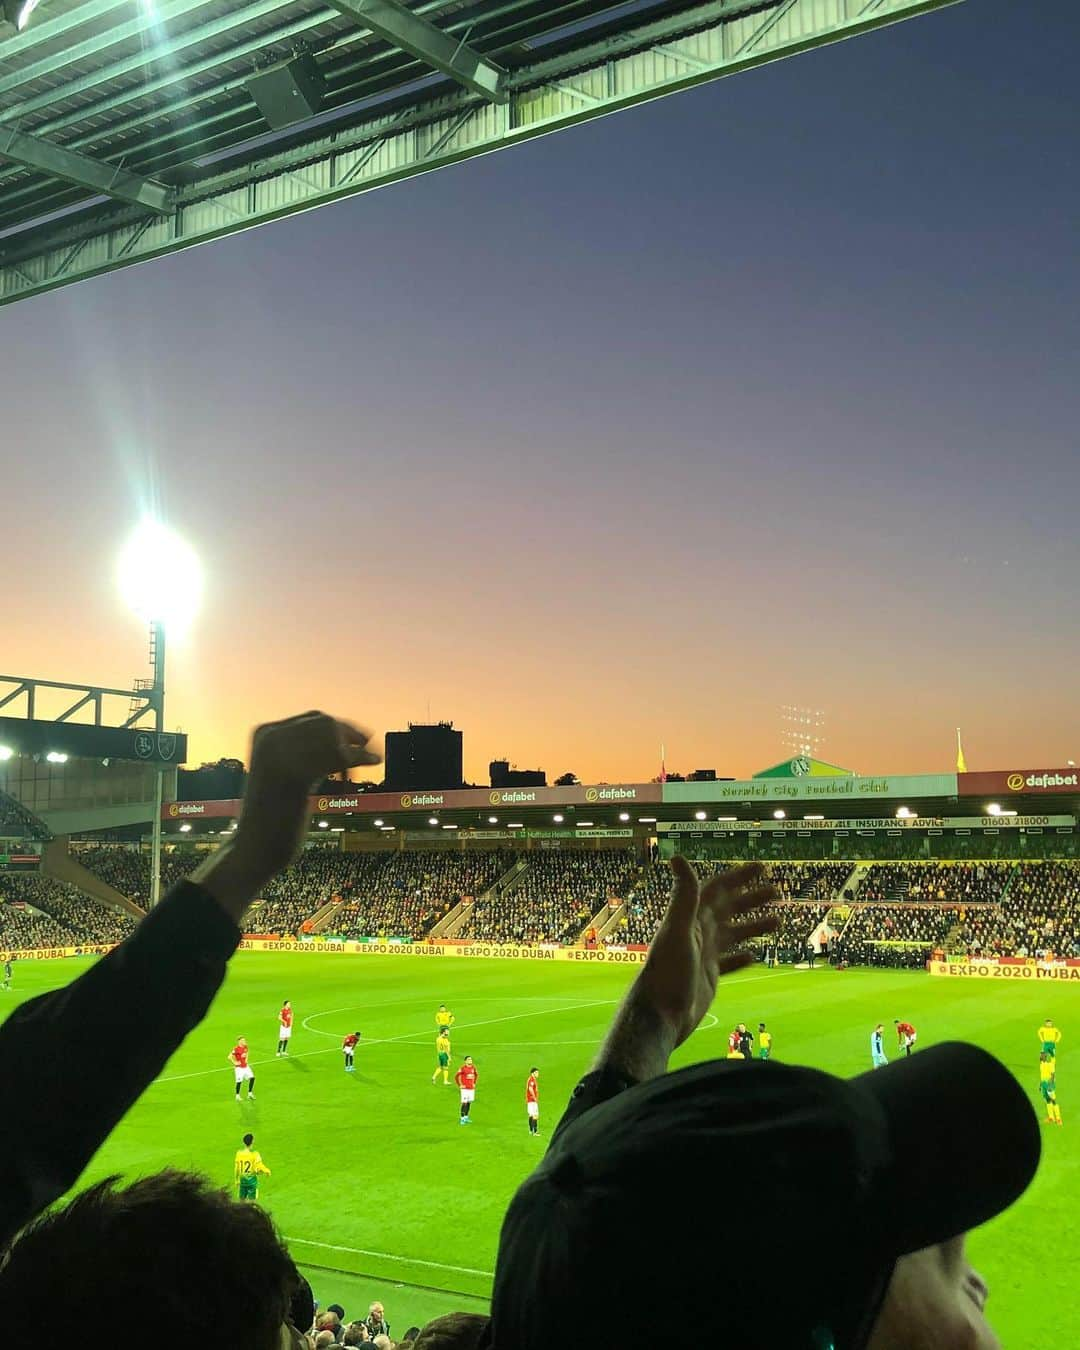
(764, 394)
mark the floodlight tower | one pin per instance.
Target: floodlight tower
(161, 581)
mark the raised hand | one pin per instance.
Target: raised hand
(699, 940)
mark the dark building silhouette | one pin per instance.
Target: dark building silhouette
(425, 756)
(503, 776)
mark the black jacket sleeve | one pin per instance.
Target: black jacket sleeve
(595, 1088)
(74, 1061)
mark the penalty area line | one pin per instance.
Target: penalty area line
(388, 1256)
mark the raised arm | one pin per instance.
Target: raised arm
(74, 1061)
(698, 941)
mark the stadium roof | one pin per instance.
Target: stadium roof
(134, 128)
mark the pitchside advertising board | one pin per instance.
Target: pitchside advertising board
(875, 823)
(472, 951)
(1015, 969)
(33, 737)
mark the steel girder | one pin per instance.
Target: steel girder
(648, 60)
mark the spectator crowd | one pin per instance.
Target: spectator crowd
(38, 911)
(554, 898)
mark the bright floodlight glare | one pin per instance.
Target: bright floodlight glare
(624, 815)
(324, 824)
(378, 824)
(6, 752)
(22, 14)
(493, 820)
(185, 829)
(56, 757)
(779, 815)
(699, 815)
(160, 577)
(434, 820)
(557, 819)
(993, 809)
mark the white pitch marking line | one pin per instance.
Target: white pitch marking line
(412, 1035)
(386, 1256)
(385, 1040)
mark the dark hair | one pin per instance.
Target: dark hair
(93, 1259)
(249, 1139)
(534, 1069)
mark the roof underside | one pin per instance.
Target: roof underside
(114, 112)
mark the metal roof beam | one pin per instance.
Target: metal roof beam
(418, 37)
(108, 179)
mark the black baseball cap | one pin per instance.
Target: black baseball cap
(770, 1203)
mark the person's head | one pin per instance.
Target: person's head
(896, 1021)
(323, 1339)
(249, 1139)
(356, 1034)
(337, 1310)
(241, 1040)
(442, 1007)
(356, 1333)
(742, 1026)
(761, 1026)
(383, 1342)
(100, 1241)
(1048, 1022)
(376, 1312)
(468, 1059)
(908, 1183)
(534, 1072)
(327, 1320)
(286, 1004)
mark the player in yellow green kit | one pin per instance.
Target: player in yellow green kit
(442, 1049)
(764, 1041)
(444, 1019)
(1049, 1036)
(248, 1167)
(1048, 1088)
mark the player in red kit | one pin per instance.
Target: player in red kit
(284, 1029)
(905, 1036)
(348, 1046)
(238, 1058)
(532, 1100)
(465, 1078)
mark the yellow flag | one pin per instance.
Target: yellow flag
(961, 765)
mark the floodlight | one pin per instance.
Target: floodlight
(646, 820)
(557, 819)
(904, 813)
(377, 824)
(185, 829)
(624, 815)
(6, 752)
(56, 757)
(993, 809)
(18, 11)
(515, 825)
(699, 815)
(493, 820)
(324, 824)
(779, 815)
(813, 817)
(434, 820)
(160, 577)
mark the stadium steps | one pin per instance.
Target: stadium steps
(611, 923)
(322, 916)
(597, 921)
(853, 882)
(453, 924)
(57, 862)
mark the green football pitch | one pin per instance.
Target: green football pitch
(381, 1193)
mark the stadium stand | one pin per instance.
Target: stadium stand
(1039, 915)
(957, 883)
(877, 932)
(66, 917)
(128, 869)
(16, 822)
(412, 891)
(555, 897)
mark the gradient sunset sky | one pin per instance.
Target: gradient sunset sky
(767, 393)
